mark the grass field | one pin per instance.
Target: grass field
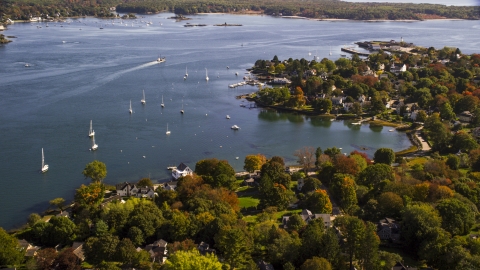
(248, 202)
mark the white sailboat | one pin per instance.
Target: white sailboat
(181, 111)
(206, 74)
(186, 72)
(91, 132)
(330, 51)
(168, 131)
(143, 101)
(130, 110)
(162, 104)
(94, 145)
(44, 166)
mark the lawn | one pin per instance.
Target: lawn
(407, 258)
(248, 202)
(419, 160)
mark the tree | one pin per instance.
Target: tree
(457, 217)
(332, 152)
(295, 222)
(353, 231)
(95, 170)
(100, 249)
(254, 162)
(319, 202)
(390, 204)
(147, 217)
(464, 142)
(192, 260)
(58, 202)
(373, 175)
(10, 252)
(234, 245)
(136, 236)
(216, 173)
(125, 251)
(311, 184)
(145, 182)
(45, 258)
(368, 254)
(67, 260)
(384, 155)
(284, 248)
(91, 195)
(62, 231)
(33, 218)
(318, 153)
(453, 162)
(446, 111)
(316, 263)
(306, 157)
(312, 238)
(356, 109)
(347, 194)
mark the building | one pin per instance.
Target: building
(158, 250)
(398, 68)
(78, 250)
(181, 171)
(126, 189)
(204, 249)
(308, 216)
(465, 116)
(388, 229)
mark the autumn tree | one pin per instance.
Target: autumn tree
(95, 170)
(316, 263)
(254, 162)
(319, 202)
(91, 195)
(190, 260)
(306, 157)
(216, 173)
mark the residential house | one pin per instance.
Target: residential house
(172, 185)
(265, 266)
(300, 184)
(308, 216)
(347, 106)
(78, 250)
(204, 249)
(337, 100)
(145, 192)
(388, 229)
(181, 170)
(30, 250)
(158, 250)
(398, 68)
(280, 81)
(126, 189)
(249, 182)
(465, 116)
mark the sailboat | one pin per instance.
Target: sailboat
(181, 111)
(130, 110)
(94, 145)
(162, 104)
(186, 72)
(44, 166)
(168, 131)
(143, 101)
(330, 51)
(206, 74)
(91, 132)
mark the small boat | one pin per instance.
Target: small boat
(206, 74)
(182, 111)
(391, 130)
(236, 73)
(168, 131)
(44, 166)
(27, 65)
(162, 104)
(330, 51)
(228, 67)
(161, 59)
(94, 145)
(186, 72)
(143, 101)
(171, 168)
(228, 116)
(236, 157)
(357, 123)
(235, 127)
(91, 132)
(130, 110)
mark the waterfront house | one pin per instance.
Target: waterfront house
(337, 100)
(172, 185)
(181, 170)
(280, 81)
(145, 192)
(126, 189)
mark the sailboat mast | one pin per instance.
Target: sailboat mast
(43, 160)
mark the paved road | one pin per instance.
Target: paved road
(425, 146)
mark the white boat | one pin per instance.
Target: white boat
(94, 145)
(186, 72)
(228, 116)
(162, 104)
(160, 60)
(181, 111)
(206, 74)
(130, 110)
(391, 130)
(143, 101)
(330, 51)
(91, 132)
(168, 131)
(357, 123)
(27, 65)
(235, 127)
(44, 166)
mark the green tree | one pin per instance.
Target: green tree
(312, 238)
(311, 184)
(100, 249)
(101, 228)
(284, 248)
(62, 231)
(234, 244)
(384, 155)
(453, 162)
(318, 153)
(192, 260)
(58, 202)
(10, 252)
(319, 202)
(126, 251)
(254, 162)
(356, 109)
(457, 217)
(368, 253)
(136, 236)
(216, 173)
(316, 263)
(295, 222)
(145, 182)
(95, 170)
(390, 204)
(464, 142)
(33, 218)
(446, 111)
(147, 217)
(373, 175)
(353, 233)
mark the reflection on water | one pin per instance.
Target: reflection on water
(320, 122)
(376, 128)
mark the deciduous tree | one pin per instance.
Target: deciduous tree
(95, 170)
(192, 260)
(384, 155)
(10, 252)
(316, 263)
(254, 162)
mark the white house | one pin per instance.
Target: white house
(126, 189)
(398, 68)
(465, 116)
(181, 170)
(337, 100)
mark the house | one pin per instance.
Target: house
(465, 116)
(249, 182)
(30, 250)
(181, 171)
(307, 216)
(204, 249)
(347, 106)
(78, 250)
(172, 185)
(337, 100)
(126, 189)
(300, 184)
(398, 68)
(265, 266)
(145, 192)
(158, 250)
(388, 229)
(400, 266)
(280, 81)
(375, 47)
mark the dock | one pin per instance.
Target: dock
(353, 51)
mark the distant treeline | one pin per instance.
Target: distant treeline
(24, 9)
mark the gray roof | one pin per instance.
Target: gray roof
(182, 167)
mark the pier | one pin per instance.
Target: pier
(353, 51)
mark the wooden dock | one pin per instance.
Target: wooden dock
(353, 51)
